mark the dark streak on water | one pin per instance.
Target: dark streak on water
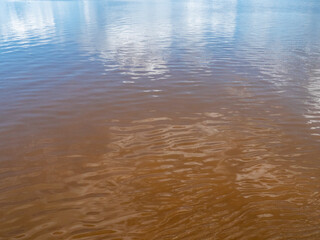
(162, 119)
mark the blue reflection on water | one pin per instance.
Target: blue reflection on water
(43, 44)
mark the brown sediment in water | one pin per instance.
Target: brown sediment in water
(184, 177)
(187, 123)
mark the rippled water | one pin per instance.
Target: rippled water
(160, 119)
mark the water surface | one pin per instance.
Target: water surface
(160, 119)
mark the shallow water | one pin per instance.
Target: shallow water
(169, 119)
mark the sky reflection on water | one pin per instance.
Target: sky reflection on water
(161, 119)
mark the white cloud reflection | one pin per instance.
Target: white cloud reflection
(136, 44)
(313, 113)
(137, 39)
(224, 17)
(26, 21)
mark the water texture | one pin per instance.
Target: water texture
(160, 119)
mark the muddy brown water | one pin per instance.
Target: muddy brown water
(160, 119)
